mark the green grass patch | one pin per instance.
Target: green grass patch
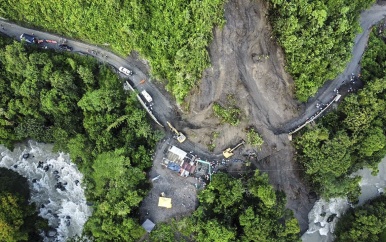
(229, 114)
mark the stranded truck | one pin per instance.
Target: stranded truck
(30, 39)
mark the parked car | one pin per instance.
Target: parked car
(65, 47)
(125, 71)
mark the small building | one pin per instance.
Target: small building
(180, 161)
(148, 225)
(165, 202)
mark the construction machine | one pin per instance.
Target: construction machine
(229, 151)
(180, 136)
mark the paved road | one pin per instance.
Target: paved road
(162, 108)
(326, 93)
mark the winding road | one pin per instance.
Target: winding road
(326, 93)
(164, 110)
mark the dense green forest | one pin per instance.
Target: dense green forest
(353, 136)
(172, 35)
(364, 223)
(19, 220)
(231, 209)
(81, 107)
(317, 38)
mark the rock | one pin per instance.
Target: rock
(68, 217)
(55, 172)
(40, 164)
(331, 218)
(57, 177)
(312, 195)
(76, 182)
(15, 166)
(46, 168)
(60, 186)
(26, 155)
(33, 180)
(51, 233)
(68, 223)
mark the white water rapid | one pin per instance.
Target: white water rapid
(55, 184)
(319, 229)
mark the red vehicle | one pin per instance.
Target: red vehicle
(51, 41)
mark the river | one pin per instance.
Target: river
(55, 184)
(319, 229)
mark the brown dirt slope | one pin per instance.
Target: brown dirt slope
(260, 87)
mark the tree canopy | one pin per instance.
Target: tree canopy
(352, 137)
(171, 35)
(75, 102)
(317, 37)
(19, 220)
(364, 223)
(231, 209)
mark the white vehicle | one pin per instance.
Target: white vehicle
(125, 71)
(147, 96)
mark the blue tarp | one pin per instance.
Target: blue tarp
(174, 167)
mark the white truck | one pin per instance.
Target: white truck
(147, 96)
(125, 71)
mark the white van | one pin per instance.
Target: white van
(125, 71)
(147, 96)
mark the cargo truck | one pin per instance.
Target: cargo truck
(30, 39)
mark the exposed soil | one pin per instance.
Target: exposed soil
(262, 89)
(249, 66)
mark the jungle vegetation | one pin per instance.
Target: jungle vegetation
(75, 103)
(19, 220)
(364, 223)
(232, 209)
(317, 38)
(171, 35)
(353, 136)
(254, 138)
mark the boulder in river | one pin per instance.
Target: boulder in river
(51, 233)
(26, 155)
(46, 168)
(331, 218)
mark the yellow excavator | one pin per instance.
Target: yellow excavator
(229, 151)
(180, 136)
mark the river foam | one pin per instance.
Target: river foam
(322, 231)
(55, 184)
